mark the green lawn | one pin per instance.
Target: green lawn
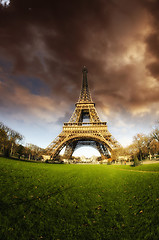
(147, 167)
(46, 201)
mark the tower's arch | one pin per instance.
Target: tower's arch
(71, 143)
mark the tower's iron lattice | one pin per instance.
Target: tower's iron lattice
(77, 132)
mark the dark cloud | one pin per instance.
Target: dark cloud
(48, 42)
(153, 44)
(154, 69)
(152, 40)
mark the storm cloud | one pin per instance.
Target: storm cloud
(45, 44)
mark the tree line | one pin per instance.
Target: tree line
(143, 146)
(11, 145)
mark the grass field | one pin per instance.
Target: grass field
(46, 201)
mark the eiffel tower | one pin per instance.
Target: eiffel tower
(83, 128)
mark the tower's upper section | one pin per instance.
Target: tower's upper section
(85, 96)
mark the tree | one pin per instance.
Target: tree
(136, 161)
(154, 147)
(155, 132)
(154, 140)
(14, 138)
(3, 139)
(117, 152)
(20, 150)
(34, 152)
(141, 143)
(9, 139)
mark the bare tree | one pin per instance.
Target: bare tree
(34, 152)
(9, 139)
(155, 132)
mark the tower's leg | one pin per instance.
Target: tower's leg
(103, 150)
(70, 147)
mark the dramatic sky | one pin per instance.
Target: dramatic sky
(45, 44)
